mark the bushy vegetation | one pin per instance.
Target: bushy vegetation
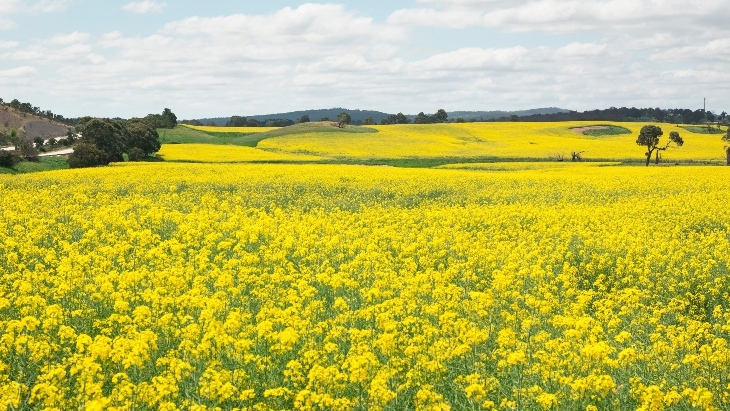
(8, 158)
(107, 140)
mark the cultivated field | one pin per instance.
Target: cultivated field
(192, 284)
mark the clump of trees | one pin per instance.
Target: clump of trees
(649, 138)
(439, 117)
(399, 118)
(237, 121)
(106, 140)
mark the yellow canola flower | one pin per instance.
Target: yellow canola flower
(301, 286)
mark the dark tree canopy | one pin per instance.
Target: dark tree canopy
(143, 136)
(399, 118)
(237, 121)
(441, 116)
(422, 118)
(87, 155)
(107, 136)
(303, 119)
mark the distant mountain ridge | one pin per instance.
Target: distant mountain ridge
(314, 115)
(361, 115)
(492, 115)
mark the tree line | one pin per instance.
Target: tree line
(624, 114)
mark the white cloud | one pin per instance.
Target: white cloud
(146, 6)
(324, 55)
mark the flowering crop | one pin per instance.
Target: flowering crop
(267, 287)
(209, 153)
(503, 140)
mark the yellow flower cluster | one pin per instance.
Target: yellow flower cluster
(269, 287)
(499, 140)
(210, 153)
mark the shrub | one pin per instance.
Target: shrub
(86, 155)
(135, 154)
(8, 158)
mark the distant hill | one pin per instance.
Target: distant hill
(360, 115)
(314, 115)
(492, 115)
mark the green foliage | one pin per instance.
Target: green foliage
(303, 119)
(106, 135)
(135, 154)
(703, 129)
(675, 138)
(8, 158)
(87, 155)
(399, 118)
(143, 136)
(167, 119)
(237, 121)
(649, 136)
(43, 164)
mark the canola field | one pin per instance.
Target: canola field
(530, 141)
(210, 153)
(325, 287)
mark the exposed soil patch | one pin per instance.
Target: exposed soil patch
(44, 129)
(582, 130)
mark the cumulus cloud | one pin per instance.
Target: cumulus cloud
(143, 7)
(324, 55)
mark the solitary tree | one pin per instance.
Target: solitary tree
(343, 120)
(303, 119)
(649, 137)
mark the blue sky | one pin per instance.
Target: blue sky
(221, 58)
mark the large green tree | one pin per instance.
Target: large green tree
(649, 137)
